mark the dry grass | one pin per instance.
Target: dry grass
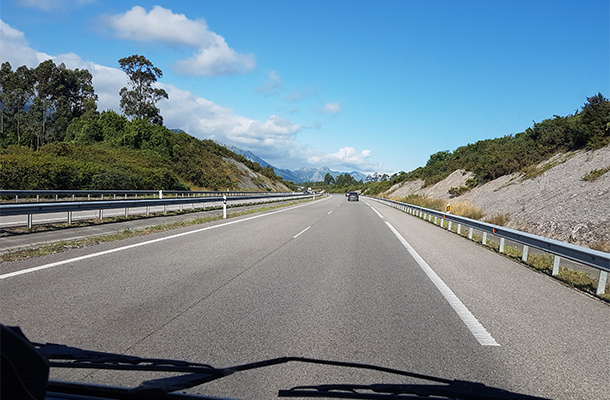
(461, 208)
(425, 202)
(601, 246)
(466, 210)
(595, 174)
(497, 219)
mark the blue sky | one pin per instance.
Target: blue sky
(348, 84)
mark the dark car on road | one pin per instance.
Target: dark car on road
(352, 196)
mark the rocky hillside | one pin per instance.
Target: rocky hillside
(565, 198)
(251, 180)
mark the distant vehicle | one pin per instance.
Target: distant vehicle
(352, 196)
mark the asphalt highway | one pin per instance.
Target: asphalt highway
(331, 279)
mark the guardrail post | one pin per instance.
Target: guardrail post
(37, 198)
(601, 283)
(470, 233)
(502, 245)
(459, 229)
(72, 197)
(29, 221)
(556, 261)
(89, 197)
(126, 211)
(484, 241)
(524, 255)
(449, 227)
(16, 198)
(69, 217)
(224, 206)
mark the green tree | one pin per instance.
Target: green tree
(596, 119)
(72, 96)
(140, 102)
(16, 91)
(39, 104)
(345, 180)
(328, 179)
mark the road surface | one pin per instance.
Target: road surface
(332, 279)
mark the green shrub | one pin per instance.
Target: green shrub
(595, 174)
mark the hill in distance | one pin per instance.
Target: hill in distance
(301, 175)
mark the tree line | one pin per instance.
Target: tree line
(39, 103)
(53, 137)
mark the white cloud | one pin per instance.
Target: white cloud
(331, 108)
(212, 55)
(275, 139)
(271, 86)
(346, 157)
(158, 25)
(205, 119)
(298, 95)
(52, 5)
(15, 48)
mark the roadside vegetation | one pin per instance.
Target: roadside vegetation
(595, 174)
(53, 137)
(588, 128)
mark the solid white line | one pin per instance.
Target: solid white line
(101, 253)
(475, 327)
(373, 208)
(302, 232)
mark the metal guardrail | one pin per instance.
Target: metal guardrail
(592, 258)
(126, 193)
(31, 209)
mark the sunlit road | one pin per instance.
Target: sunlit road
(332, 279)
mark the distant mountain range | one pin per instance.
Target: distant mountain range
(303, 174)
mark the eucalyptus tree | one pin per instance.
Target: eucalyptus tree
(16, 91)
(139, 102)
